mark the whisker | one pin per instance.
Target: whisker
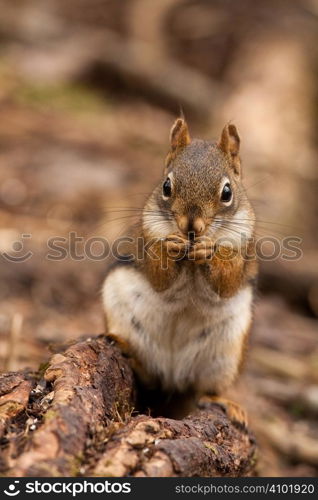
(230, 229)
(268, 222)
(257, 232)
(264, 229)
(143, 211)
(267, 177)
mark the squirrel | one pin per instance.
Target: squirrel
(181, 308)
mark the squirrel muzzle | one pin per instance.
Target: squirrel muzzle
(194, 225)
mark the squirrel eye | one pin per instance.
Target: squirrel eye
(226, 195)
(166, 188)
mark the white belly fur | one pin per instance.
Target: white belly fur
(185, 336)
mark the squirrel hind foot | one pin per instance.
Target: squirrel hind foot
(236, 414)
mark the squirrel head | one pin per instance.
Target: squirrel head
(201, 192)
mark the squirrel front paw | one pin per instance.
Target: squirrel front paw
(202, 250)
(176, 246)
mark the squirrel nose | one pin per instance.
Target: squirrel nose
(183, 223)
(187, 225)
(198, 226)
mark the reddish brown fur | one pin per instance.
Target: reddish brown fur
(160, 272)
(198, 168)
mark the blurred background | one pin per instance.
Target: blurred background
(88, 92)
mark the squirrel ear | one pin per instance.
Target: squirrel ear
(230, 140)
(230, 145)
(179, 134)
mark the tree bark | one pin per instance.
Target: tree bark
(76, 418)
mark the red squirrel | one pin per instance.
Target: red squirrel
(185, 315)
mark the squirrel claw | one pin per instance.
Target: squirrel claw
(176, 246)
(201, 255)
(234, 411)
(202, 250)
(176, 238)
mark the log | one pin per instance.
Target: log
(204, 444)
(86, 387)
(15, 390)
(76, 417)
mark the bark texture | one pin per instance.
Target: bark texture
(76, 417)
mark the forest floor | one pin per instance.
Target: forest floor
(70, 163)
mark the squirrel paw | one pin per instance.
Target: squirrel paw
(202, 250)
(234, 411)
(176, 246)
